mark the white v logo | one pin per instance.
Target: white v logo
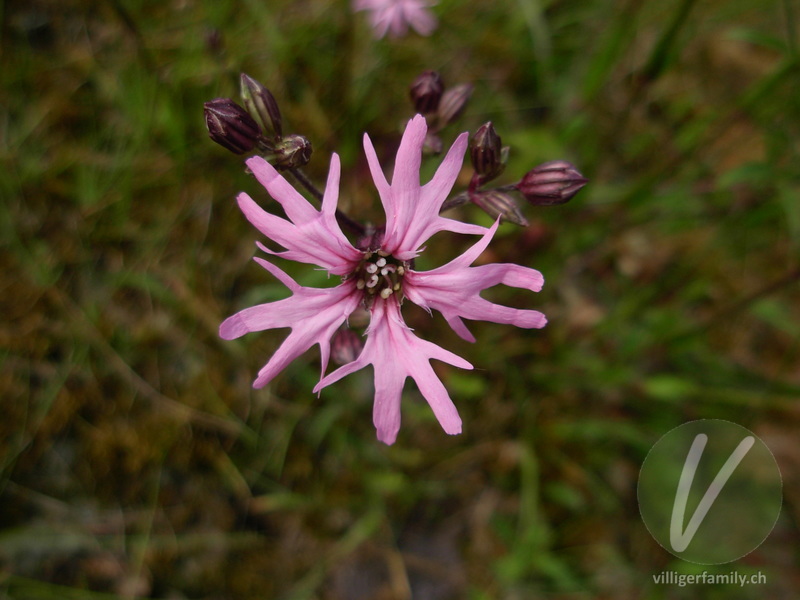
(680, 540)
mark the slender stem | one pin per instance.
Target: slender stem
(347, 223)
(303, 179)
(343, 220)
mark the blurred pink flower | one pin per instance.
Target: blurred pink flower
(395, 16)
(379, 277)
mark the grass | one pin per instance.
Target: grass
(136, 460)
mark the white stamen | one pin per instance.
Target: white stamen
(384, 271)
(360, 284)
(396, 286)
(381, 262)
(386, 292)
(401, 270)
(373, 281)
(371, 268)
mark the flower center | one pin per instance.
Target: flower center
(379, 274)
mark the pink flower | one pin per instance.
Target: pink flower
(379, 278)
(395, 16)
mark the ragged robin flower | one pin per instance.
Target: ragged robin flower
(395, 16)
(378, 276)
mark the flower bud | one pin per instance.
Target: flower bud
(453, 102)
(346, 346)
(499, 204)
(433, 143)
(291, 152)
(486, 152)
(554, 182)
(426, 92)
(455, 201)
(261, 104)
(230, 126)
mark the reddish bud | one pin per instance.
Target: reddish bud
(486, 152)
(499, 204)
(261, 104)
(230, 126)
(291, 152)
(433, 143)
(453, 102)
(346, 346)
(426, 92)
(554, 182)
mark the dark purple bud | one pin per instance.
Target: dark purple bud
(230, 126)
(453, 102)
(433, 143)
(346, 346)
(426, 92)
(499, 204)
(554, 182)
(486, 152)
(261, 104)
(291, 152)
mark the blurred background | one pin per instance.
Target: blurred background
(137, 461)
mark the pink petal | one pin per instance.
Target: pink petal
(313, 315)
(395, 354)
(410, 247)
(454, 290)
(298, 209)
(310, 236)
(412, 210)
(396, 15)
(425, 222)
(279, 274)
(378, 177)
(405, 181)
(398, 26)
(421, 20)
(330, 198)
(435, 192)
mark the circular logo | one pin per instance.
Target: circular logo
(710, 491)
